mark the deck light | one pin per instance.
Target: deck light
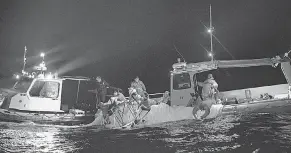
(49, 76)
(42, 55)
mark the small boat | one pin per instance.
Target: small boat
(47, 100)
(44, 98)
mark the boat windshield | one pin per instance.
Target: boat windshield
(45, 89)
(181, 81)
(23, 85)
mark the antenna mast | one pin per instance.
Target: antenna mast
(179, 53)
(24, 60)
(210, 31)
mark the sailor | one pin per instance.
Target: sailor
(139, 86)
(209, 89)
(142, 101)
(109, 107)
(166, 98)
(101, 87)
(144, 106)
(134, 98)
(118, 97)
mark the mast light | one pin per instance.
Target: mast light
(42, 55)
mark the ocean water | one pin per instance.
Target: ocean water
(258, 133)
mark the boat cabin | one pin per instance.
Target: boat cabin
(184, 79)
(52, 94)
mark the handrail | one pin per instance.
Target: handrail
(149, 95)
(156, 94)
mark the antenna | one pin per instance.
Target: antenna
(210, 30)
(24, 60)
(179, 52)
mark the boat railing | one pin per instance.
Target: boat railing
(151, 95)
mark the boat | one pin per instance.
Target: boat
(183, 82)
(44, 98)
(46, 101)
(274, 98)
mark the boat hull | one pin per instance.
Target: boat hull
(279, 106)
(164, 113)
(45, 118)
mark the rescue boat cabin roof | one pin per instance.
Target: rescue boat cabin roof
(74, 78)
(77, 78)
(211, 65)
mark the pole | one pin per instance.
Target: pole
(211, 28)
(24, 59)
(77, 99)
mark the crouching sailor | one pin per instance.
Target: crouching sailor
(209, 91)
(109, 107)
(142, 101)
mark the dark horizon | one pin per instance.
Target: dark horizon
(120, 40)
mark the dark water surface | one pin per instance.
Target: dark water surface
(261, 133)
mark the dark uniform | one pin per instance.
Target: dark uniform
(101, 88)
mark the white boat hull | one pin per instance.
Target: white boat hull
(159, 114)
(45, 117)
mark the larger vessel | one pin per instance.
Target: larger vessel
(184, 82)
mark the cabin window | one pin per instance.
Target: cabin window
(45, 89)
(23, 85)
(181, 81)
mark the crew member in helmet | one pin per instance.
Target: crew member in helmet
(139, 86)
(109, 108)
(209, 90)
(142, 101)
(209, 87)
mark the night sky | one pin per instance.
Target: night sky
(119, 39)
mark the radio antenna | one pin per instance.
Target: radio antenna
(178, 52)
(24, 60)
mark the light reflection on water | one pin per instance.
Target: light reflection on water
(246, 134)
(32, 138)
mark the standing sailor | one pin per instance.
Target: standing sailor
(101, 87)
(209, 90)
(209, 87)
(139, 86)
